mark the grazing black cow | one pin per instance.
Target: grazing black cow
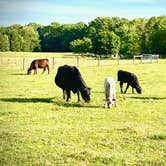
(68, 78)
(130, 79)
(39, 63)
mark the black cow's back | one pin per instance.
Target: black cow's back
(69, 78)
(126, 76)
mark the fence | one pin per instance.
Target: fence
(24, 62)
(146, 58)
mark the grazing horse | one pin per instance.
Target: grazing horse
(39, 63)
(110, 92)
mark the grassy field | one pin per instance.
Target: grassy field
(38, 128)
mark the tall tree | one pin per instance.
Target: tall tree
(30, 39)
(4, 42)
(81, 46)
(157, 37)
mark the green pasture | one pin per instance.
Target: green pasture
(37, 127)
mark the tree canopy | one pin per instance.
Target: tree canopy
(102, 36)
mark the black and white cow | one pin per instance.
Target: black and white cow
(68, 78)
(130, 79)
(110, 92)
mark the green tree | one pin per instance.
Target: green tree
(30, 39)
(106, 43)
(157, 37)
(15, 40)
(132, 41)
(4, 42)
(102, 33)
(81, 46)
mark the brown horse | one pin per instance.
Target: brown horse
(39, 63)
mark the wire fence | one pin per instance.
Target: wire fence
(24, 62)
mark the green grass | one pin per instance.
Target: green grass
(38, 128)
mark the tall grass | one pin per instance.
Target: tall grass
(37, 127)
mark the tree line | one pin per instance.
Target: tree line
(102, 36)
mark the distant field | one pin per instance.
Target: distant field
(35, 54)
(22, 60)
(38, 128)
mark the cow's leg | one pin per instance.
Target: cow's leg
(78, 94)
(48, 68)
(126, 87)
(107, 99)
(35, 71)
(68, 95)
(114, 99)
(64, 94)
(44, 69)
(121, 86)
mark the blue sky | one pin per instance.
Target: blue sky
(72, 11)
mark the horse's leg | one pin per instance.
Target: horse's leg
(121, 86)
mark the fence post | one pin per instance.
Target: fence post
(98, 60)
(23, 63)
(141, 58)
(118, 57)
(151, 59)
(133, 59)
(77, 60)
(53, 62)
(157, 58)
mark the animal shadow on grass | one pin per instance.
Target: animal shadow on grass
(28, 100)
(19, 74)
(47, 100)
(76, 104)
(148, 98)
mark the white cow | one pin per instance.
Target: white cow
(110, 92)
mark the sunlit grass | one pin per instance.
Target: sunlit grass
(37, 127)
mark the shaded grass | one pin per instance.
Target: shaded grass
(37, 127)
(27, 100)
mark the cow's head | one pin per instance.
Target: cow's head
(139, 89)
(85, 93)
(29, 71)
(137, 86)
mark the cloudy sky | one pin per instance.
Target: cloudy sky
(73, 11)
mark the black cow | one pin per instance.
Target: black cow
(39, 63)
(68, 78)
(130, 79)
